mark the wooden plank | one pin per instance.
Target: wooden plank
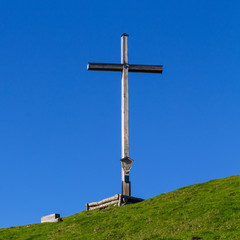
(116, 197)
(124, 48)
(105, 67)
(124, 98)
(119, 67)
(145, 68)
(126, 188)
(104, 205)
(125, 115)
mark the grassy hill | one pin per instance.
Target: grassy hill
(204, 211)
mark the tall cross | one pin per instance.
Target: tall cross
(125, 67)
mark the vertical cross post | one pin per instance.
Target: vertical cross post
(124, 97)
(126, 161)
(125, 67)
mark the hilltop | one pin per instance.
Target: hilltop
(207, 211)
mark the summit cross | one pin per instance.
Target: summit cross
(125, 67)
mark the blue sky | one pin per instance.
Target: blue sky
(60, 125)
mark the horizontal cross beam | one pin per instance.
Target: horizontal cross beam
(119, 67)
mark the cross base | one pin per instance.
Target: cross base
(126, 184)
(117, 200)
(126, 188)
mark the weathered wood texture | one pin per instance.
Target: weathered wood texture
(124, 108)
(51, 218)
(118, 199)
(105, 67)
(146, 68)
(115, 202)
(104, 203)
(126, 188)
(115, 197)
(114, 67)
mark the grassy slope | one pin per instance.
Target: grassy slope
(209, 210)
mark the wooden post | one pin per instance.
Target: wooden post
(126, 185)
(124, 107)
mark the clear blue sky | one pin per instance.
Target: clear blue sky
(60, 125)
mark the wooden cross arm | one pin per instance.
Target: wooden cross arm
(105, 67)
(119, 67)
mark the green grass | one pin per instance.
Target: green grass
(204, 211)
